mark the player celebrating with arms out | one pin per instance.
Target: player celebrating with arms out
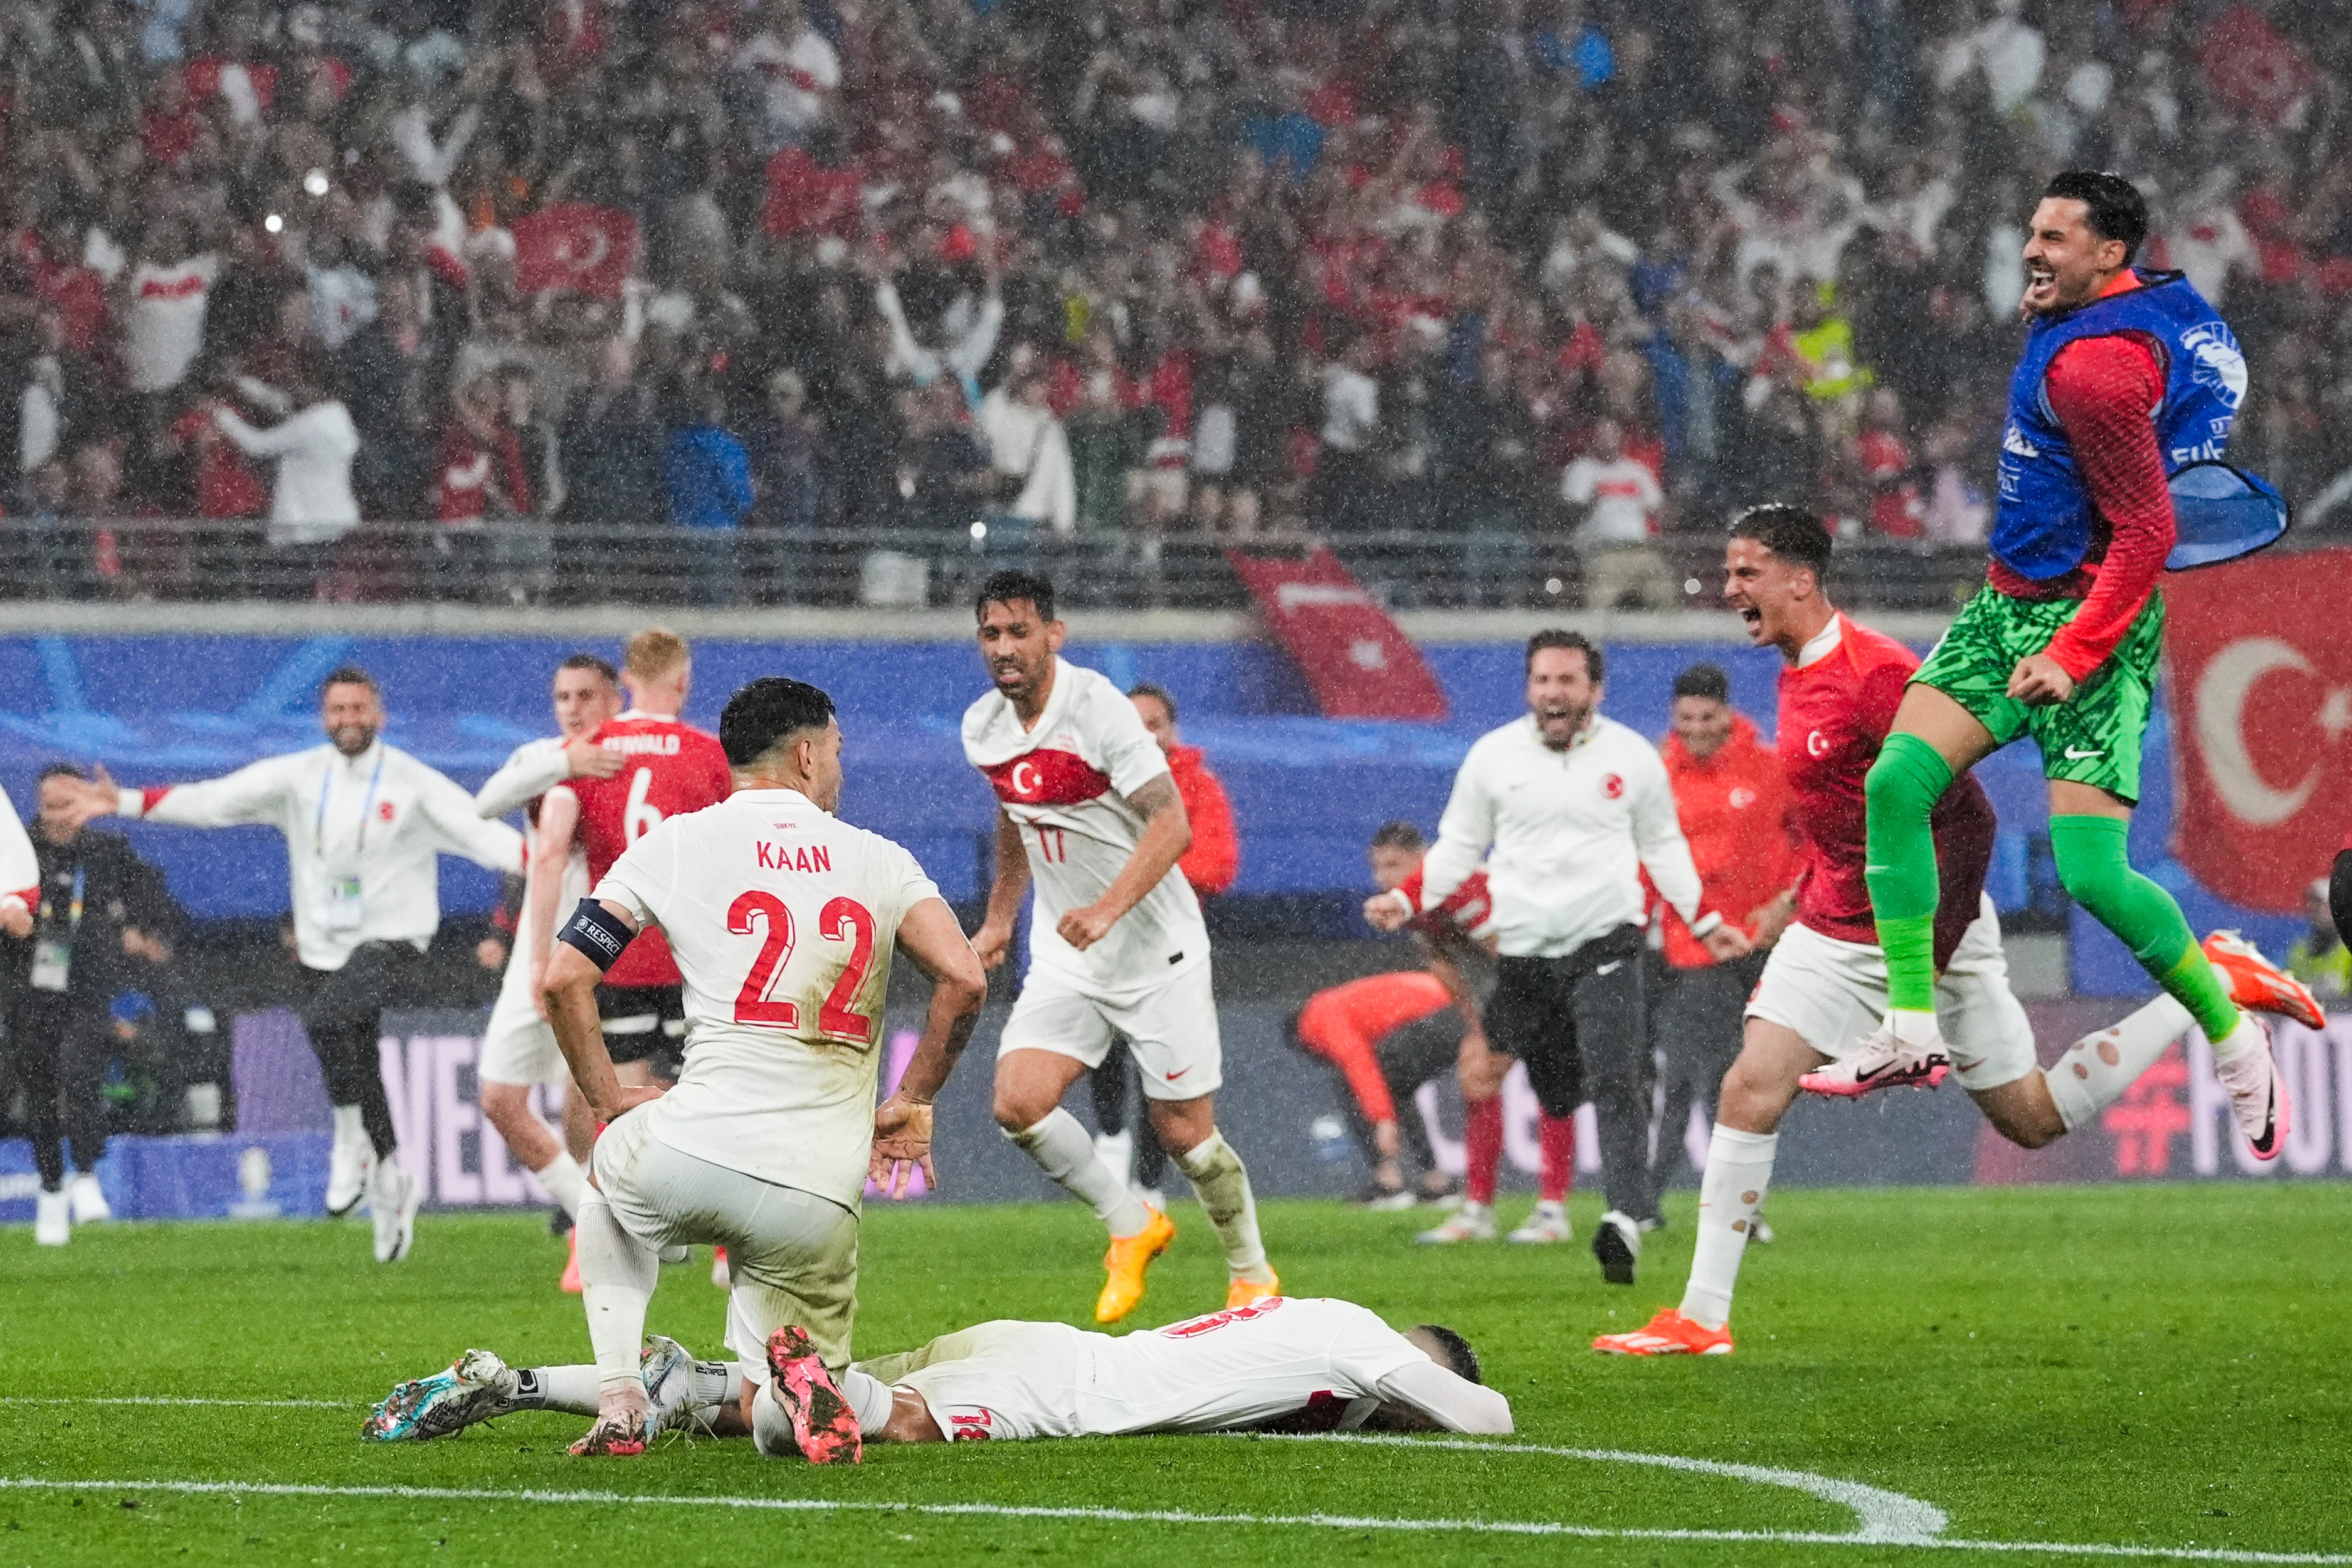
(1087, 810)
(782, 920)
(1840, 686)
(2126, 376)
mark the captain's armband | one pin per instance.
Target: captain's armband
(597, 934)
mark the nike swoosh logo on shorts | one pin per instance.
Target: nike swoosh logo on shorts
(1177, 1073)
(2076, 754)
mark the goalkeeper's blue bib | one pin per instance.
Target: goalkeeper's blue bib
(2045, 522)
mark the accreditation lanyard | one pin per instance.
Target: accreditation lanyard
(343, 891)
(52, 955)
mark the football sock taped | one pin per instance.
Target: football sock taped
(1060, 1146)
(2095, 866)
(1739, 1173)
(1481, 1147)
(1900, 795)
(1217, 1175)
(2098, 1068)
(617, 1275)
(567, 1388)
(869, 1396)
(1556, 1135)
(565, 1182)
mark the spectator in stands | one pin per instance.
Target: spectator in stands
(1620, 497)
(610, 448)
(105, 926)
(708, 475)
(2318, 957)
(1345, 488)
(522, 546)
(310, 500)
(792, 474)
(1733, 803)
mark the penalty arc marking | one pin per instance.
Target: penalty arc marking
(1883, 1519)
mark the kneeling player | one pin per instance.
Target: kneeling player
(783, 920)
(1278, 1364)
(1824, 986)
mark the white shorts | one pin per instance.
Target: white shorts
(792, 1256)
(1003, 1380)
(518, 1047)
(1833, 994)
(1173, 1030)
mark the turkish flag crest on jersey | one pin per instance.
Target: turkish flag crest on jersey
(2260, 689)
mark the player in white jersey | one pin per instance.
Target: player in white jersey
(1090, 813)
(783, 921)
(1278, 1364)
(518, 1050)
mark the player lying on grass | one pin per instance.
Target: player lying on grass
(1280, 1363)
(1825, 983)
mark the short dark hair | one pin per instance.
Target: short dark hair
(62, 770)
(1706, 681)
(2117, 210)
(1463, 1360)
(1792, 533)
(1157, 693)
(1010, 587)
(596, 662)
(1398, 835)
(348, 675)
(1595, 662)
(768, 712)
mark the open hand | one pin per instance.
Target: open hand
(588, 760)
(902, 1146)
(629, 1098)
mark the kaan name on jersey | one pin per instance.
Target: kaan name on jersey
(790, 857)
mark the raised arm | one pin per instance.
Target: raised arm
(257, 792)
(451, 812)
(993, 940)
(1167, 834)
(902, 1123)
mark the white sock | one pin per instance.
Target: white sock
(565, 1182)
(1739, 1173)
(2239, 1040)
(869, 1396)
(771, 1426)
(1062, 1149)
(2098, 1068)
(1224, 1190)
(350, 1127)
(716, 1382)
(567, 1388)
(617, 1275)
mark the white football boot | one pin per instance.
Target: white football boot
(52, 1219)
(90, 1205)
(393, 1198)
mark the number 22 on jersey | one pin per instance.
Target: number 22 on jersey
(843, 920)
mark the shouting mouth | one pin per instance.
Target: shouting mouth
(2041, 285)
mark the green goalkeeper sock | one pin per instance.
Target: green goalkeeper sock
(1903, 787)
(2095, 866)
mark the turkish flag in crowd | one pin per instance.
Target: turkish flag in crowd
(2261, 685)
(805, 197)
(575, 246)
(2253, 66)
(1358, 662)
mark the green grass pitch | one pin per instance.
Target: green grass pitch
(2163, 1367)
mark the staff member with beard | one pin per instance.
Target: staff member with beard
(102, 924)
(1576, 807)
(364, 823)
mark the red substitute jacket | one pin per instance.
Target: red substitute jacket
(1735, 811)
(1215, 858)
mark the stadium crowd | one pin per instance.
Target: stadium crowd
(1547, 280)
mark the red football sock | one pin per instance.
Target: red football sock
(1481, 1140)
(1558, 1136)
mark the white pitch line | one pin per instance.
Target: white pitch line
(162, 1399)
(1141, 1516)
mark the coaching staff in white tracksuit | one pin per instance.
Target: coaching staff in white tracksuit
(1576, 807)
(364, 824)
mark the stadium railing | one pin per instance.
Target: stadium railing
(502, 563)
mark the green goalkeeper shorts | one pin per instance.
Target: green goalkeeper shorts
(2093, 736)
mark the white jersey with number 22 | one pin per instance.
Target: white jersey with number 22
(782, 919)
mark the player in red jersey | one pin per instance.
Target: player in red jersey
(1825, 983)
(668, 769)
(1458, 940)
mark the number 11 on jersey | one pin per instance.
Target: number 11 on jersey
(841, 920)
